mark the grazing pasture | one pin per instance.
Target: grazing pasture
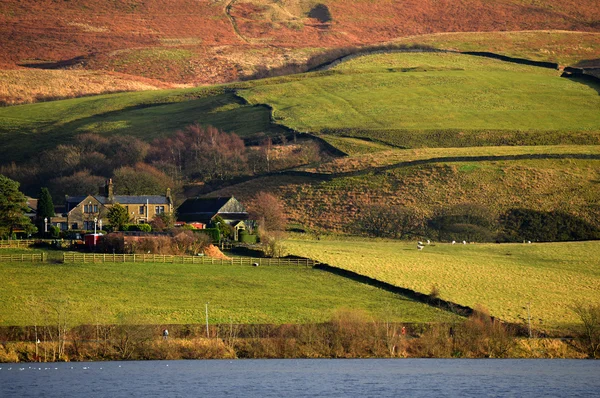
(176, 294)
(503, 278)
(408, 93)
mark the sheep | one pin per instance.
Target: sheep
(420, 247)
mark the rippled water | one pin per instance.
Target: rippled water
(305, 378)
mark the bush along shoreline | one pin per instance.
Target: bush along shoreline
(346, 335)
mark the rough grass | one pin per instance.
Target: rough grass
(432, 92)
(566, 185)
(171, 293)
(501, 277)
(366, 154)
(33, 85)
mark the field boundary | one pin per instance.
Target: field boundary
(411, 294)
(21, 258)
(171, 259)
(16, 243)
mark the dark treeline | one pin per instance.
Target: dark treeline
(473, 223)
(197, 153)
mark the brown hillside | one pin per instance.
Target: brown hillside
(56, 31)
(544, 185)
(191, 42)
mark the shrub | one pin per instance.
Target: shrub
(525, 224)
(137, 227)
(321, 13)
(245, 237)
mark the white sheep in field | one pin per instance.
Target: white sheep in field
(419, 246)
(428, 242)
(453, 242)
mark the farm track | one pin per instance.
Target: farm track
(452, 159)
(315, 176)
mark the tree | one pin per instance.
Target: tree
(80, 183)
(13, 206)
(589, 315)
(141, 179)
(118, 217)
(45, 208)
(268, 211)
(163, 222)
(380, 220)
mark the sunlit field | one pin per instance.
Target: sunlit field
(504, 278)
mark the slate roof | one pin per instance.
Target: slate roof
(202, 205)
(204, 209)
(134, 200)
(122, 199)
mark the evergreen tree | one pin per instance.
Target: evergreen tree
(45, 208)
(118, 217)
(13, 206)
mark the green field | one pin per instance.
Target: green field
(25, 130)
(406, 92)
(563, 47)
(176, 294)
(406, 99)
(501, 277)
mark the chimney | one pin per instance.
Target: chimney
(108, 190)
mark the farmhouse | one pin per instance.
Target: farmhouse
(82, 212)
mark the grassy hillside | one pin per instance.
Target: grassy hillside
(408, 100)
(423, 91)
(503, 278)
(171, 293)
(568, 185)
(28, 129)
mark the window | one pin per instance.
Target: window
(159, 209)
(95, 208)
(90, 208)
(142, 209)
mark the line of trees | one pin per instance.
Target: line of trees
(473, 223)
(196, 153)
(348, 334)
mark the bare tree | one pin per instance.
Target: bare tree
(268, 211)
(589, 330)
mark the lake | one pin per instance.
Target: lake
(305, 378)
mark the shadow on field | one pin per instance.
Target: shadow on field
(408, 293)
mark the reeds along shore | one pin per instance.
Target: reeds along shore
(477, 337)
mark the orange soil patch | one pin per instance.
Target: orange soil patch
(214, 252)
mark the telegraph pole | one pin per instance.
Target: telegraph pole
(207, 334)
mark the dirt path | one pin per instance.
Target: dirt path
(236, 30)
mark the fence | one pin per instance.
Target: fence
(40, 257)
(15, 243)
(160, 258)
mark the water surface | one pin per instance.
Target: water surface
(305, 378)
